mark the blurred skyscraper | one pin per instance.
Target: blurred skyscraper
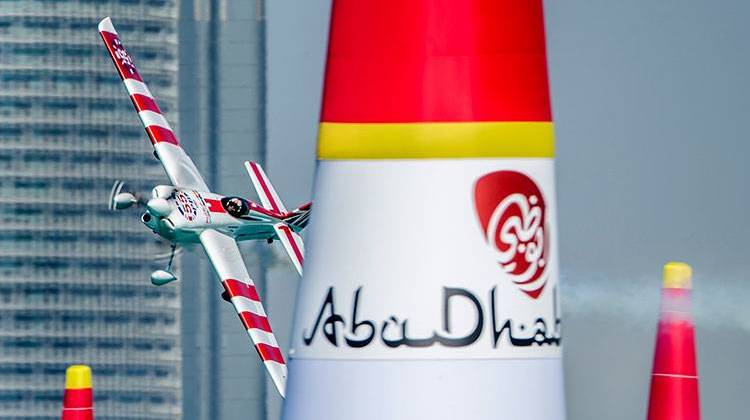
(74, 276)
(222, 124)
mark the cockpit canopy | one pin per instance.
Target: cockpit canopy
(236, 206)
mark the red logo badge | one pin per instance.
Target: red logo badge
(512, 212)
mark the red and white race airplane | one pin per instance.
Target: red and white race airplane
(187, 212)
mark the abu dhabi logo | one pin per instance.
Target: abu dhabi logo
(512, 212)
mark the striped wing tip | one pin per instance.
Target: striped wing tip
(278, 375)
(106, 26)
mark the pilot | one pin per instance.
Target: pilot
(235, 207)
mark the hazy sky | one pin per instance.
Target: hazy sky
(650, 100)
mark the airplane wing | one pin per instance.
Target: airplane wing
(225, 256)
(179, 167)
(293, 244)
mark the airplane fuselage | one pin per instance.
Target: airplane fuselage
(180, 215)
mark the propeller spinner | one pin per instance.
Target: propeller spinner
(119, 199)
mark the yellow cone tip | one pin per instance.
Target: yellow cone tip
(678, 275)
(78, 377)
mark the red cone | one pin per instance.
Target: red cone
(78, 402)
(674, 379)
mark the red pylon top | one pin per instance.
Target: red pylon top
(436, 61)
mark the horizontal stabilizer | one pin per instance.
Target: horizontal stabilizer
(293, 244)
(263, 187)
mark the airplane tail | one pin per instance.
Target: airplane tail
(299, 217)
(287, 231)
(296, 218)
(267, 194)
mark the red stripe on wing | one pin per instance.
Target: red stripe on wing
(123, 62)
(144, 103)
(267, 352)
(239, 288)
(160, 134)
(251, 320)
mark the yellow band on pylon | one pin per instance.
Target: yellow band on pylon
(78, 377)
(677, 275)
(436, 140)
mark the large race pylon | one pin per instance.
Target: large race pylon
(78, 400)
(430, 287)
(674, 378)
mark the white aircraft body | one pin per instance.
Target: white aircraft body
(188, 212)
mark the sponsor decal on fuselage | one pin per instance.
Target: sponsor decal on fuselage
(186, 205)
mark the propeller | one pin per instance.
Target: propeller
(158, 206)
(120, 200)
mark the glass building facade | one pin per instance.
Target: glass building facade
(74, 276)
